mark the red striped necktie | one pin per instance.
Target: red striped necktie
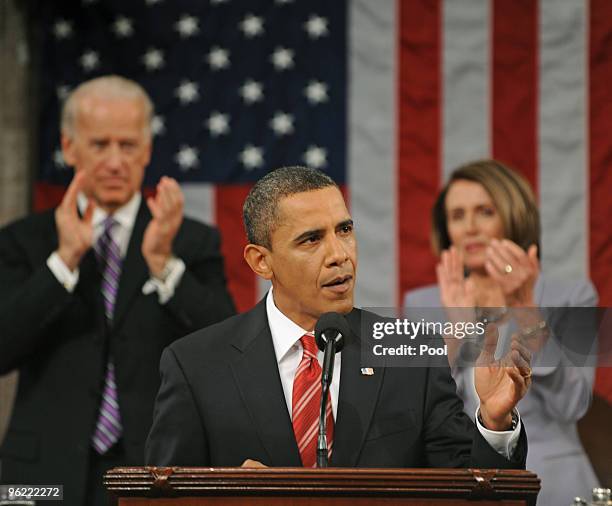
(306, 401)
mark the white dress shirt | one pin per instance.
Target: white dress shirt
(288, 349)
(125, 217)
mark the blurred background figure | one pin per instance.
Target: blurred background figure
(486, 231)
(92, 292)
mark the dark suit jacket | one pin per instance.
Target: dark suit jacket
(221, 402)
(60, 343)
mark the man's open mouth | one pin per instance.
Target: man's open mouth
(340, 280)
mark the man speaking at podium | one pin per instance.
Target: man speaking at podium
(248, 389)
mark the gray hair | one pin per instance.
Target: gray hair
(111, 86)
(260, 210)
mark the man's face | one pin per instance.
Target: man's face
(109, 144)
(313, 257)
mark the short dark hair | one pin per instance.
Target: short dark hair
(260, 210)
(511, 194)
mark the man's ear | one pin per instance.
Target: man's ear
(258, 258)
(68, 151)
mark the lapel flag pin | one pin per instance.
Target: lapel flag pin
(367, 371)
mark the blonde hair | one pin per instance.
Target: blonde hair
(513, 198)
(112, 87)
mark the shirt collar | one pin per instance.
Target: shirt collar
(125, 215)
(285, 333)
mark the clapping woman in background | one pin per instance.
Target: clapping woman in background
(486, 231)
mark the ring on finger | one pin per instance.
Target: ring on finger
(508, 269)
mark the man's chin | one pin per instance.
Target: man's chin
(113, 199)
(343, 306)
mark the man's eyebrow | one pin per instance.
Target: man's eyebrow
(345, 223)
(320, 231)
(308, 234)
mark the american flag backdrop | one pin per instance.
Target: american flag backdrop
(386, 96)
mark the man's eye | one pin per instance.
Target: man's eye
(311, 239)
(128, 146)
(347, 229)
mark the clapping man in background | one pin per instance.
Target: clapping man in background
(93, 292)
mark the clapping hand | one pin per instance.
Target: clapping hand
(515, 270)
(501, 384)
(455, 289)
(457, 294)
(167, 210)
(75, 233)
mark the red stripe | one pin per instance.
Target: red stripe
(242, 282)
(419, 131)
(47, 196)
(600, 149)
(515, 85)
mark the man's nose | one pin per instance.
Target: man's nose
(336, 254)
(114, 157)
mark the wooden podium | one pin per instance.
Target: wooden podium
(167, 486)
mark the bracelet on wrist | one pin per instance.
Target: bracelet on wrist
(534, 330)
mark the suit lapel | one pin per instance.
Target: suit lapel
(134, 271)
(356, 400)
(88, 287)
(256, 373)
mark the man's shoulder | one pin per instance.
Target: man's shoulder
(194, 224)
(193, 233)
(220, 338)
(35, 225)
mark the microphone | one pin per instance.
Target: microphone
(330, 332)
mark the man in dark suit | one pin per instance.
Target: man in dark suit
(247, 390)
(92, 293)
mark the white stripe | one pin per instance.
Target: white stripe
(304, 366)
(199, 201)
(112, 437)
(109, 280)
(308, 435)
(563, 164)
(110, 418)
(100, 445)
(109, 399)
(466, 82)
(113, 267)
(371, 154)
(301, 404)
(108, 297)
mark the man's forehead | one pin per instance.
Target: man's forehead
(90, 106)
(312, 207)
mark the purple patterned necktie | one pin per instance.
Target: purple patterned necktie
(108, 427)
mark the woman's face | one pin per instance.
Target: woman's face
(472, 220)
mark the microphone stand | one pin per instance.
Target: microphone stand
(326, 379)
